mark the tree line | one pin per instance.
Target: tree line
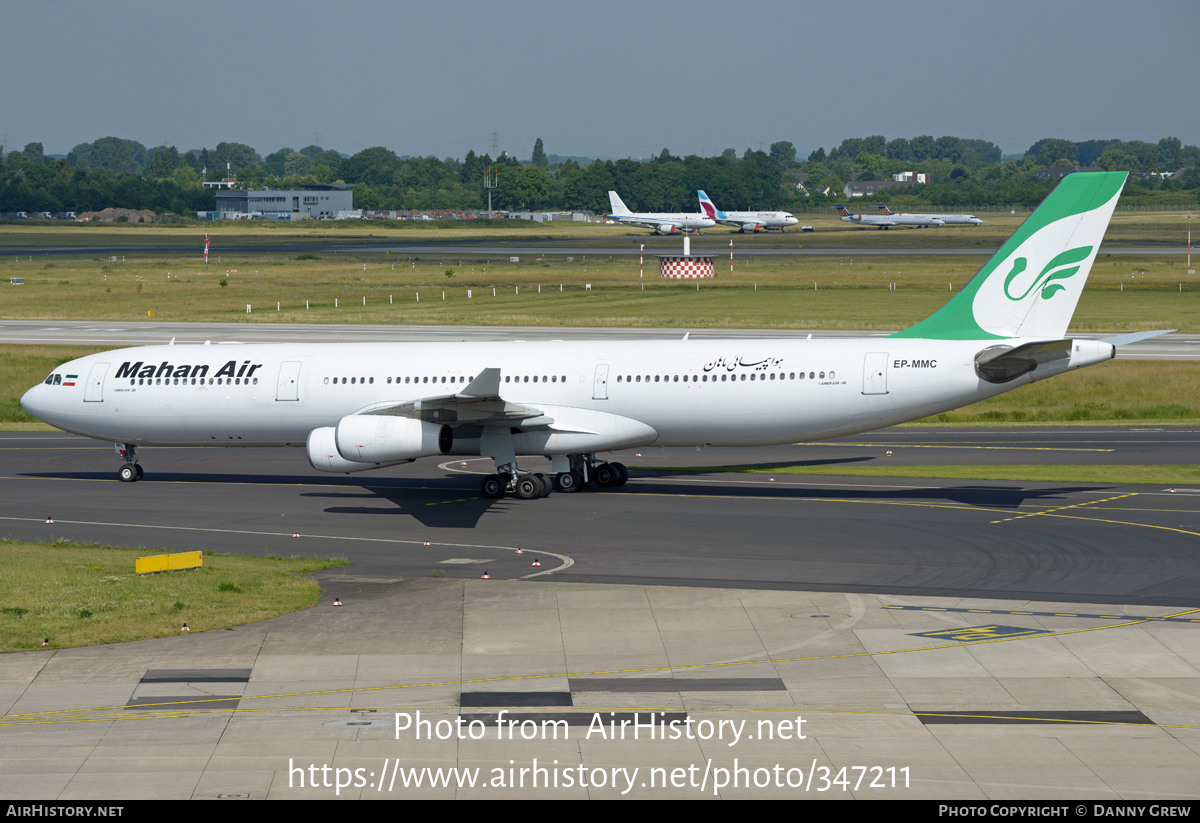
(121, 173)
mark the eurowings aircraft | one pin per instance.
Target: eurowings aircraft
(886, 221)
(360, 406)
(748, 220)
(948, 219)
(661, 222)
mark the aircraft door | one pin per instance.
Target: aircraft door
(93, 392)
(600, 383)
(875, 373)
(288, 387)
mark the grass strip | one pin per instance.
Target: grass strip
(84, 595)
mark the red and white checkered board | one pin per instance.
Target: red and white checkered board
(684, 267)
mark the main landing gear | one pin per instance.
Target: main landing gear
(131, 472)
(575, 472)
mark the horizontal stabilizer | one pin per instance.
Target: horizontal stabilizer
(1000, 364)
(1134, 337)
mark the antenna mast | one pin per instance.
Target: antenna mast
(490, 178)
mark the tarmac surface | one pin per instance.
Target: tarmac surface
(803, 636)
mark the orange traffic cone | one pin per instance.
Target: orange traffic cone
(537, 562)
(50, 519)
(337, 601)
(185, 628)
(485, 576)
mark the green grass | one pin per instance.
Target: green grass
(1118, 391)
(1164, 475)
(87, 595)
(837, 291)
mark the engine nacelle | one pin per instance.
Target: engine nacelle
(750, 227)
(381, 438)
(667, 228)
(323, 454)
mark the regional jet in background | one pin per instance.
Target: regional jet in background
(661, 222)
(882, 221)
(748, 220)
(948, 219)
(360, 406)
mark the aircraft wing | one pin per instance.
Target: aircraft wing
(1000, 364)
(478, 403)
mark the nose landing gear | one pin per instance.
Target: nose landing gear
(131, 472)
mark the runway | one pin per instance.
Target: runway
(620, 246)
(1086, 542)
(146, 333)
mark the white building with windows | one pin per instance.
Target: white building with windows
(311, 202)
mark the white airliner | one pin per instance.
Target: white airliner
(886, 221)
(359, 406)
(661, 222)
(948, 219)
(748, 220)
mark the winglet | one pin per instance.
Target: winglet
(485, 384)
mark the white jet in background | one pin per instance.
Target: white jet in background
(948, 219)
(661, 222)
(748, 220)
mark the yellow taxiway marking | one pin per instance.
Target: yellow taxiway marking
(1063, 508)
(74, 715)
(949, 446)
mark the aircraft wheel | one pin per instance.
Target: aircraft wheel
(528, 488)
(493, 486)
(622, 473)
(568, 481)
(128, 474)
(546, 483)
(606, 476)
(138, 466)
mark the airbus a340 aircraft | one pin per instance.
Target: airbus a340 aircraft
(886, 221)
(748, 220)
(661, 222)
(948, 219)
(360, 406)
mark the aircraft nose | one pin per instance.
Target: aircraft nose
(33, 402)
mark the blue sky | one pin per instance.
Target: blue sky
(603, 78)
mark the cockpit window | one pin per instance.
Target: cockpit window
(58, 379)
(49, 381)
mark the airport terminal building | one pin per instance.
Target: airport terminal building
(310, 202)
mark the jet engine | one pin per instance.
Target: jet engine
(323, 454)
(749, 227)
(380, 438)
(667, 228)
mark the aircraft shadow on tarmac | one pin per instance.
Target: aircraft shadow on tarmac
(455, 501)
